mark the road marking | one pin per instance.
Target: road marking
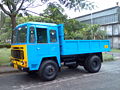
(26, 87)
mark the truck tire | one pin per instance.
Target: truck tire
(92, 64)
(48, 70)
(73, 66)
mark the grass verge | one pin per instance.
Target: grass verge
(4, 56)
(107, 57)
(115, 50)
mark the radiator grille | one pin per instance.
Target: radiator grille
(19, 54)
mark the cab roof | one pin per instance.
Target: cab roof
(36, 23)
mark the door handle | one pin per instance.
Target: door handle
(38, 48)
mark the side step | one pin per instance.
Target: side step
(69, 63)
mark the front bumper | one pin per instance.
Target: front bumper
(19, 67)
(19, 57)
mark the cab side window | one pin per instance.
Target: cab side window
(41, 35)
(53, 36)
(32, 35)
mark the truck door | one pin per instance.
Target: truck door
(42, 41)
(53, 41)
(47, 42)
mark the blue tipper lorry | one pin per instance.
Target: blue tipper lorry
(41, 48)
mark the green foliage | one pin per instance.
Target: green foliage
(73, 28)
(75, 4)
(78, 30)
(115, 50)
(5, 32)
(14, 6)
(108, 57)
(4, 56)
(29, 18)
(5, 45)
(2, 19)
(97, 33)
(54, 14)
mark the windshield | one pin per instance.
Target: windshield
(19, 35)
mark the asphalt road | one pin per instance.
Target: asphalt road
(107, 79)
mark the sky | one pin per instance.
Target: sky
(101, 5)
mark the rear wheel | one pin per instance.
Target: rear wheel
(48, 70)
(92, 64)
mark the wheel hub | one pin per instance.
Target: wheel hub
(94, 64)
(50, 70)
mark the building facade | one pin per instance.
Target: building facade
(109, 19)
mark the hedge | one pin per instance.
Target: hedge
(5, 46)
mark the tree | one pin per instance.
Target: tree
(5, 32)
(73, 28)
(75, 4)
(2, 19)
(96, 33)
(14, 6)
(13, 10)
(54, 14)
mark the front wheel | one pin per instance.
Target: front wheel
(92, 64)
(48, 70)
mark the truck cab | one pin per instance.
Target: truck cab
(31, 42)
(40, 47)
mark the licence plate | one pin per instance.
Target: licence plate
(15, 66)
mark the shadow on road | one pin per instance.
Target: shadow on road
(64, 73)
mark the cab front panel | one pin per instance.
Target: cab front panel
(19, 57)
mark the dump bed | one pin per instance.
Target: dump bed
(71, 47)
